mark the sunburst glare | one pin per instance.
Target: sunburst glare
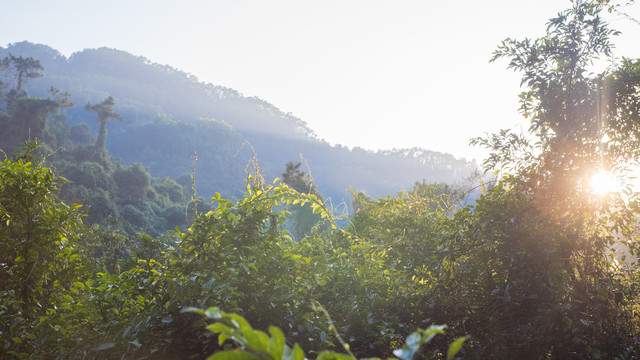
(604, 183)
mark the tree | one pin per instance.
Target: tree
(541, 238)
(28, 117)
(585, 122)
(106, 114)
(37, 262)
(25, 117)
(80, 134)
(32, 223)
(572, 110)
(133, 183)
(304, 219)
(298, 179)
(24, 68)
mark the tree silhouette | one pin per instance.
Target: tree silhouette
(298, 179)
(304, 219)
(25, 68)
(105, 113)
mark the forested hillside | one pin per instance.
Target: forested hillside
(122, 264)
(170, 115)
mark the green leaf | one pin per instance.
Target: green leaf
(432, 331)
(213, 313)
(294, 354)
(416, 339)
(233, 355)
(255, 339)
(240, 322)
(220, 328)
(276, 343)
(455, 347)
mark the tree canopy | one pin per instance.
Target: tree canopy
(105, 112)
(24, 68)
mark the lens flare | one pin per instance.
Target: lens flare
(604, 183)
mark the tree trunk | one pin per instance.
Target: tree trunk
(102, 136)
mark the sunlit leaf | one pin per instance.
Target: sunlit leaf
(455, 347)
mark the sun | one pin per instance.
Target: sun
(604, 182)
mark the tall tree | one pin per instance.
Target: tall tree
(24, 68)
(25, 117)
(541, 238)
(105, 112)
(585, 122)
(32, 225)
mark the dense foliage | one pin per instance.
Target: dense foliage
(110, 191)
(539, 267)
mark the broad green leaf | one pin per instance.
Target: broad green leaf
(240, 322)
(255, 339)
(277, 343)
(219, 328)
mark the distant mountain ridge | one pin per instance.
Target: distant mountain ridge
(169, 115)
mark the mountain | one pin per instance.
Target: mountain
(170, 115)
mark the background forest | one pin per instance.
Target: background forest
(111, 249)
(170, 115)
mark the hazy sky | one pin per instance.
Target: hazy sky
(369, 73)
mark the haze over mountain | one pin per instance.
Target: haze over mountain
(170, 115)
(145, 221)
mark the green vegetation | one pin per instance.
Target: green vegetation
(170, 115)
(255, 344)
(539, 267)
